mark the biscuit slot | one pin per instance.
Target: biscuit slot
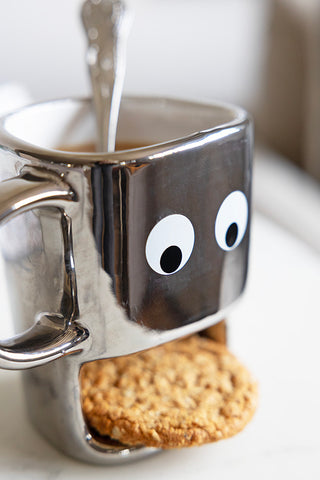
(108, 445)
(106, 442)
(217, 332)
(193, 373)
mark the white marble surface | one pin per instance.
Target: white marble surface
(275, 330)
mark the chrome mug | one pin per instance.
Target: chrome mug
(107, 254)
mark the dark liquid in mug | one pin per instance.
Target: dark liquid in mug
(90, 147)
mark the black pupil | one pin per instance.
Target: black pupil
(171, 259)
(231, 235)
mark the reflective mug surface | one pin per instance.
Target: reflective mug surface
(111, 253)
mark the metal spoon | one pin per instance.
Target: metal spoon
(107, 24)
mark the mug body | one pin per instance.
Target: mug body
(160, 235)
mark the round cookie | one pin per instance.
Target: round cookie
(184, 393)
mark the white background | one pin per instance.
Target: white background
(207, 48)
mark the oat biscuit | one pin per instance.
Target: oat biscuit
(180, 394)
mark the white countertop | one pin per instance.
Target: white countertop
(275, 330)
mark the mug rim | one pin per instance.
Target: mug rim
(28, 149)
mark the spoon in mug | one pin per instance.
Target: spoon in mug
(107, 24)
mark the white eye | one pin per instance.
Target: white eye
(170, 244)
(231, 220)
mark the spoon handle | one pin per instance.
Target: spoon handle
(107, 24)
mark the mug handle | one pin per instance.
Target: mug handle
(53, 334)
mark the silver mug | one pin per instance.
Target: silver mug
(107, 254)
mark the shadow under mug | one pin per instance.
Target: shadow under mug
(107, 254)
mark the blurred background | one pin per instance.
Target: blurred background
(265, 56)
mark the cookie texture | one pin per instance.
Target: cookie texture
(184, 393)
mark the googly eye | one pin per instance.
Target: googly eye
(170, 244)
(231, 221)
